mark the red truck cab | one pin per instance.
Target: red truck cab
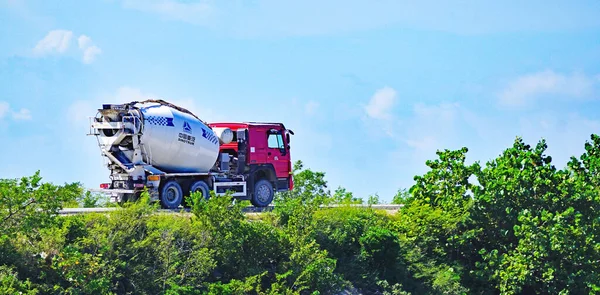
(266, 155)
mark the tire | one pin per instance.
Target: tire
(124, 200)
(171, 195)
(202, 187)
(263, 193)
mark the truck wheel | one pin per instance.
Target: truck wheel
(171, 195)
(201, 187)
(263, 193)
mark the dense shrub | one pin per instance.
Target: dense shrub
(516, 225)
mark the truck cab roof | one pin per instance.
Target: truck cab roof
(237, 125)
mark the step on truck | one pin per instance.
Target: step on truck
(167, 150)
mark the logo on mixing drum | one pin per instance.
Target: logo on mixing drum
(186, 127)
(187, 139)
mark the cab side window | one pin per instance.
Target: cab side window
(275, 141)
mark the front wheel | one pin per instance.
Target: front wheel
(171, 195)
(263, 193)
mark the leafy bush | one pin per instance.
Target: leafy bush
(516, 225)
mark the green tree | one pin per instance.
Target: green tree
(520, 179)
(401, 197)
(343, 196)
(10, 284)
(340, 230)
(524, 227)
(310, 191)
(90, 200)
(308, 185)
(380, 249)
(373, 199)
(446, 185)
(28, 204)
(434, 209)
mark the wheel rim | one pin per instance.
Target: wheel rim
(172, 195)
(199, 190)
(263, 193)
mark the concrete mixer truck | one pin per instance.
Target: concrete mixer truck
(167, 150)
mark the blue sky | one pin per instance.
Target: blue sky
(371, 88)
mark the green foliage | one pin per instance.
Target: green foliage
(401, 197)
(373, 199)
(27, 204)
(343, 196)
(10, 284)
(338, 231)
(379, 250)
(424, 232)
(309, 186)
(525, 227)
(90, 200)
(433, 210)
(516, 225)
(296, 206)
(446, 185)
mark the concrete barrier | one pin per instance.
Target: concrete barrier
(250, 209)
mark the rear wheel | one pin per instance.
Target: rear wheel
(171, 195)
(201, 187)
(263, 193)
(124, 199)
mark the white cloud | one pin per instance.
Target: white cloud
(59, 41)
(90, 54)
(377, 117)
(90, 51)
(381, 103)
(22, 114)
(55, 41)
(84, 41)
(549, 84)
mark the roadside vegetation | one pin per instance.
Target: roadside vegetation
(514, 225)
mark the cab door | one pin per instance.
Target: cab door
(257, 150)
(277, 153)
